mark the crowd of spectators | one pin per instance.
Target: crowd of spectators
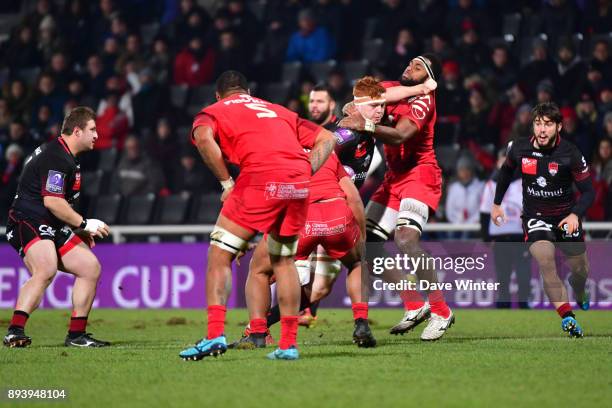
(139, 63)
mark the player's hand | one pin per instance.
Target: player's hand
(572, 223)
(349, 108)
(86, 237)
(354, 122)
(250, 246)
(497, 215)
(97, 228)
(226, 193)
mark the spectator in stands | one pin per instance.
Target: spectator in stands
(600, 58)
(19, 135)
(40, 127)
(102, 21)
(133, 53)
(10, 170)
(503, 113)
(451, 102)
(5, 117)
(607, 125)
(523, 126)
(501, 72)
(598, 17)
(119, 86)
(538, 68)
(192, 21)
(440, 46)
(230, 54)
(310, 43)
(274, 47)
(571, 73)
(571, 131)
(110, 52)
(160, 61)
(351, 28)
(112, 123)
(588, 116)
(601, 172)
(559, 19)
(95, 78)
(136, 173)
(472, 54)
(466, 12)
(119, 28)
(475, 125)
(48, 39)
(391, 18)
(244, 24)
(60, 69)
(399, 53)
(605, 101)
(545, 91)
(148, 102)
(17, 98)
(602, 159)
(463, 196)
(76, 28)
(22, 53)
(191, 176)
(76, 93)
(163, 147)
(339, 87)
(43, 9)
(194, 66)
(47, 94)
(429, 16)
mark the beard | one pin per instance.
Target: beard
(409, 82)
(321, 118)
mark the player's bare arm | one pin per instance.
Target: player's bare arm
(62, 210)
(397, 93)
(354, 202)
(404, 130)
(322, 148)
(210, 152)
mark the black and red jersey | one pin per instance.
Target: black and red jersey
(548, 176)
(355, 151)
(51, 170)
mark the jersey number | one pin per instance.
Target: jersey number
(264, 112)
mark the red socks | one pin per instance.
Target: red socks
(412, 299)
(564, 310)
(437, 304)
(360, 310)
(19, 320)
(289, 327)
(216, 321)
(258, 326)
(77, 325)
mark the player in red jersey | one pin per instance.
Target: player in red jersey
(267, 142)
(411, 189)
(332, 223)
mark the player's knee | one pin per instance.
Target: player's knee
(407, 239)
(93, 268)
(319, 293)
(43, 273)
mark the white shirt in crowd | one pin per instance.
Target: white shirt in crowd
(463, 202)
(512, 204)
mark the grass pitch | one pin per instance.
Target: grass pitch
(488, 358)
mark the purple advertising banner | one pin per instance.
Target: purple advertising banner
(173, 276)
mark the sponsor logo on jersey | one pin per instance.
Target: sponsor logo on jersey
(529, 166)
(537, 154)
(55, 182)
(361, 150)
(343, 135)
(325, 228)
(541, 181)
(538, 225)
(286, 191)
(77, 182)
(46, 230)
(553, 168)
(543, 193)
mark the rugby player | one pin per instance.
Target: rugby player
(267, 142)
(49, 234)
(411, 189)
(550, 166)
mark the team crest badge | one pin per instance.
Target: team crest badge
(553, 168)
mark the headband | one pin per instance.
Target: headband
(427, 66)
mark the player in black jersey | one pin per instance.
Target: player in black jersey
(550, 166)
(49, 234)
